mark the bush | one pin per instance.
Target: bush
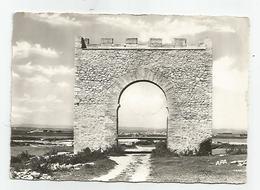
(125, 146)
(20, 158)
(162, 150)
(205, 148)
(40, 164)
(61, 159)
(115, 150)
(145, 142)
(189, 152)
(84, 156)
(55, 151)
(19, 162)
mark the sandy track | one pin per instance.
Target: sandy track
(132, 167)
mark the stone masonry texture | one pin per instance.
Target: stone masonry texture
(102, 73)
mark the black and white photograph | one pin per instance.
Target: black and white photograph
(129, 98)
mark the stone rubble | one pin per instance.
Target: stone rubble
(28, 174)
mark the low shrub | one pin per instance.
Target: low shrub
(189, 152)
(162, 150)
(145, 142)
(87, 156)
(84, 156)
(61, 159)
(125, 146)
(19, 162)
(55, 151)
(22, 157)
(205, 148)
(115, 150)
(40, 164)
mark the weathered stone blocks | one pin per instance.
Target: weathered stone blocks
(102, 72)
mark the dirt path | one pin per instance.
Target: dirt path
(132, 167)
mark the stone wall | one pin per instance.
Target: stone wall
(183, 73)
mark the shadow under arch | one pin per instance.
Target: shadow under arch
(119, 105)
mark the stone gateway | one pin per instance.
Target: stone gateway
(103, 71)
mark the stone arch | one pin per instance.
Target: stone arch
(140, 74)
(132, 83)
(136, 81)
(124, 81)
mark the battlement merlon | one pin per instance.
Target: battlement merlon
(132, 43)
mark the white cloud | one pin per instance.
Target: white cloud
(20, 110)
(55, 19)
(166, 28)
(55, 70)
(19, 113)
(26, 68)
(15, 75)
(23, 49)
(63, 84)
(214, 24)
(230, 109)
(230, 87)
(38, 80)
(31, 107)
(229, 78)
(220, 28)
(42, 100)
(43, 109)
(46, 70)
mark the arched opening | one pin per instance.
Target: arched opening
(142, 116)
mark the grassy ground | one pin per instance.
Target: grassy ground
(201, 169)
(85, 165)
(101, 167)
(38, 151)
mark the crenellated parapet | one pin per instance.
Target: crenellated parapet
(133, 43)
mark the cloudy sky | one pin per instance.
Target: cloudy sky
(143, 104)
(42, 82)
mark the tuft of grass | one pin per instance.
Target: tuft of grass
(145, 142)
(40, 164)
(115, 150)
(55, 151)
(19, 162)
(189, 152)
(23, 157)
(87, 155)
(205, 148)
(161, 150)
